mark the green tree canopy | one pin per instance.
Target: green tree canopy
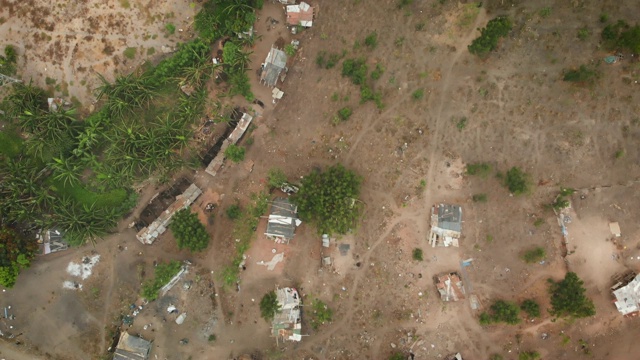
(517, 181)
(490, 35)
(568, 297)
(501, 311)
(189, 231)
(16, 253)
(330, 199)
(269, 305)
(220, 18)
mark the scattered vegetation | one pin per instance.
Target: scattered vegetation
(276, 178)
(170, 28)
(418, 94)
(377, 73)
(534, 255)
(529, 355)
(490, 35)
(583, 74)
(330, 199)
(163, 274)
(568, 297)
(621, 35)
(417, 254)
(269, 305)
(479, 198)
(481, 169)
(321, 313)
(501, 311)
(462, 123)
(234, 153)
(371, 41)
(517, 181)
(233, 212)
(189, 231)
(530, 307)
(289, 49)
(130, 53)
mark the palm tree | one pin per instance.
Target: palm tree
(26, 97)
(67, 170)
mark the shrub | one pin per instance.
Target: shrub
(501, 311)
(560, 203)
(163, 274)
(321, 313)
(189, 231)
(479, 198)
(212, 338)
(529, 355)
(371, 40)
(417, 254)
(545, 12)
(534, 255)
(234, 211)
(130, 53)
(568, 297)
(583, 33)
(462, 123)
(234, 153)
(377, 73)
(356, 70)
(481, 169)
(517, 181)
(330, 199)
(490, 35)
(290, 50)
(344, 113)
(583, 74)
(398, 356)
(622, 35)
(530, 307)
(269, 305)
(170, 28)
(276, 178)
(418, 94)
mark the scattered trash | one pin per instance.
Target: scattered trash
(180, 319)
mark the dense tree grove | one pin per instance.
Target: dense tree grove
(189, 231)
(330, 199)
(568, 297)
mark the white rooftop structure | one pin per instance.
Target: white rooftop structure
(628, 297)
(287, 323)
(300, 15)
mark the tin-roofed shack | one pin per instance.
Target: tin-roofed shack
(450, 287)
(446, 225)
(627, 294)
(283, 220)
(132, 348)
(274, 65)
(287, 323)
(300, 15)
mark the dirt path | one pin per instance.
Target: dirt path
(107, 304)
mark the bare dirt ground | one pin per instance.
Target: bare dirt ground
(519, 113)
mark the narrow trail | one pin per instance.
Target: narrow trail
(107, 304)
(432, 151)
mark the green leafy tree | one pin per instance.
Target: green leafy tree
(269, 305)
(189, 231)
(235, 153)
(490, 35)
(501, 311)
(16, 253)
(276, 177)
(530, 307)
(568, 297)
(517, 181)
(330, 199)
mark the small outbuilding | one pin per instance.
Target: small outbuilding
(287, 323)
(283, 220)
(450, 287)
(132, 348)
(300, 15)
(274, 66)
(446, 225)
(627, 294)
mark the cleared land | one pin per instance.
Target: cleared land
(411, 152)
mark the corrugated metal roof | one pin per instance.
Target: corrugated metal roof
(301, 14)
(274, 64)
(628, 297)
(132, 348)
(450, 217)
(282, 219)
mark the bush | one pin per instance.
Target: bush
(501, 311)
(321, 314)
(170, 28)
(479, 198)
(219, 18)
(344, 113)
(290, 50)
(517, 181)
(462, 123)
(529, 355)
(560, 203)
(418, 94)
(276, 178)
(356, 70)
(330, 199)
(568, 297)
(531, 308)
(490, 35)
(481, 169)
(534, 255)
(189, 231)
(130, 53)
(269, 305)
(398, 356)
(417, 254)
(377, 73)
(234, 211)
(234, 153)
(163, 274)
(371, 40)
(583, 74)
(622, 35)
